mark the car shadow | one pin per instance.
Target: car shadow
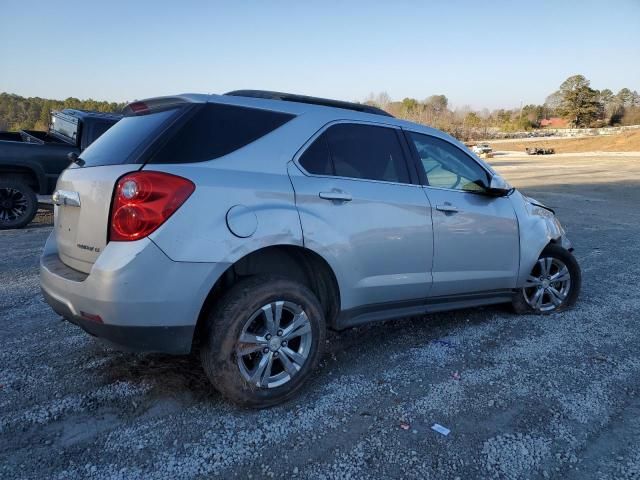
(183, 378)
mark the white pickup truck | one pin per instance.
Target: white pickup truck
(481, 148)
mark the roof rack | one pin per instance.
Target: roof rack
(292, 97)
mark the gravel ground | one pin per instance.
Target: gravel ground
(523, 396)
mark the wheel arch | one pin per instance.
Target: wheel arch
(34, 179)
(290, 261)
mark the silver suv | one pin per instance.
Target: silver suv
(248, 223)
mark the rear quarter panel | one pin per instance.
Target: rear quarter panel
(198, 231)
(254, 177)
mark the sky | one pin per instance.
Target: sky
(484, 54)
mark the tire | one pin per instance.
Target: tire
(230, 371)
(18, 204)
(524, 300)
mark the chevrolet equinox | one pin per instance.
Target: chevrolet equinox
(249, 223)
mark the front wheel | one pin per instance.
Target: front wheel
(263, 339)
(553, 284)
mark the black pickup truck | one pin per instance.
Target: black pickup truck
(31, 161)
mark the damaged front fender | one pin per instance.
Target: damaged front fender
(538, 227)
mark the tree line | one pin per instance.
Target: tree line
(575, 101)
(33, 113)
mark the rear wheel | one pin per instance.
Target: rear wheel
(553, 284)
(18, 204)
(263, 339)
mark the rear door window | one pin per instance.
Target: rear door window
(215, 130)
(357, 151)
(367, 152)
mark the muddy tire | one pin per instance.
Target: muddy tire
(553, 285)
(262, 339)
(18, 204)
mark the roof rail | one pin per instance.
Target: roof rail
(292, 97)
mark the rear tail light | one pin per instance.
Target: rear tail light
(142, 201)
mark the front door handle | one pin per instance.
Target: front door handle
(447, 207)
(337, 195)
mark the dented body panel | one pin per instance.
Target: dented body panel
(538, 226)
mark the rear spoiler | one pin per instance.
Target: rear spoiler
(142, 107)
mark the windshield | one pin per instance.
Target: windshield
(123, 142)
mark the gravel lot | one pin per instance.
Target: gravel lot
(524, 396)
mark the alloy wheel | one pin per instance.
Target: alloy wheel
(274, 344)
(548, 285)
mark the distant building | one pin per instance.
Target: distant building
(554, 122)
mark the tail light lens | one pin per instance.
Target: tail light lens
(143, 201)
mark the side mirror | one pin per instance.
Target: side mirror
(73, 157)
(498, 186)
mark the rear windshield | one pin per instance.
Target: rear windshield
(95, 130)
(122, 142)
(215, 130)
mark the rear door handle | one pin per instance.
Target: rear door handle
(447, 208)
(340, 196)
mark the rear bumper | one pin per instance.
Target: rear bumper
(134, 296)
(176, 340)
